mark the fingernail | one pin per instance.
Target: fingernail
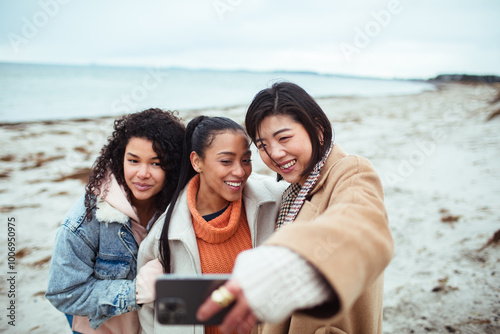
(200, 316)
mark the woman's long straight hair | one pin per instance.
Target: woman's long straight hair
(200, 133)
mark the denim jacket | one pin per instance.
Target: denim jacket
(94, 264)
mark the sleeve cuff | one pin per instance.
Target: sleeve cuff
(277, 281)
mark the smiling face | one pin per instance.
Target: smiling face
(142, 171)
(288, 146)
(223, 171)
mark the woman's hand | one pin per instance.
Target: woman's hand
(240, 318)
(145, 283)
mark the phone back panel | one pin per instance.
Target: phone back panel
(179, 297)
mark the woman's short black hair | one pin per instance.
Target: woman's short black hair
(286, 98)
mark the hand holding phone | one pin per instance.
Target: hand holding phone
(179, 297)
(240, 319)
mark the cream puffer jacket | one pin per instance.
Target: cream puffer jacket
(261, 199)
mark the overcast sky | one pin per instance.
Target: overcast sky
(389, 38)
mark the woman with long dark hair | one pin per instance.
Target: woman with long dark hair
(217, 211)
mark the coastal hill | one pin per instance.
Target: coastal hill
(490, 80)
(466, 78)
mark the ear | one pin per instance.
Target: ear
(320, 136)
(196, 161)
(320, 133)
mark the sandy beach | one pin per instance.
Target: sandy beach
(437, 153)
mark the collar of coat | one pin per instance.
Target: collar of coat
(336, 155)
(115, 206)
(108, 214)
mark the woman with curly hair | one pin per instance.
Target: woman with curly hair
(93, 270)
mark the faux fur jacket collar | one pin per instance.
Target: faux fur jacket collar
(108, 214)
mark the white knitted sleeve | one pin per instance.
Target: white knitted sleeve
(277, 281)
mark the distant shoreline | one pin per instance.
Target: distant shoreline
(43, 93)
(445, 77)
(439, 82)
(190, 111)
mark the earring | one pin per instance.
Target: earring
(199, 170)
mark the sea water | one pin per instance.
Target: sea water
(31, 92)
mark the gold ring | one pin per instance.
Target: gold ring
(222, 297)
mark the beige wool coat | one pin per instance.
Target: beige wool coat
(342, 229)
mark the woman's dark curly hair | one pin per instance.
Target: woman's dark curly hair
(164, 129)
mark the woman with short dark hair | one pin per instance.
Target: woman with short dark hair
(322, 270)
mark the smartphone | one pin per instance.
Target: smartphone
(179, 297)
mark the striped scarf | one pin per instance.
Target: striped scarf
(294, 196)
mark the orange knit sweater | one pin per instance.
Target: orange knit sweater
(219, 240)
